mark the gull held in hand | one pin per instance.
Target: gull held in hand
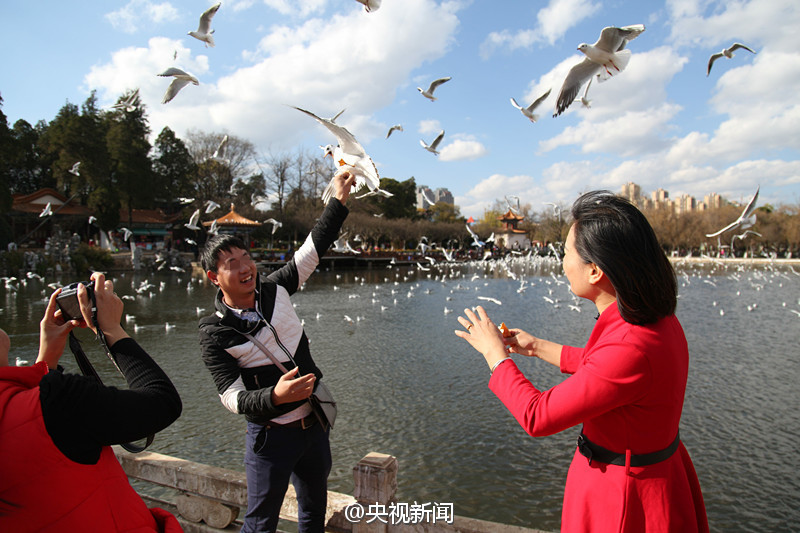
(348, 153)
(745, 220)
(204, 31)
(428, 93)
(432, 148)
(726, 52)
(529, 111)
(182, 79)
(605, 58)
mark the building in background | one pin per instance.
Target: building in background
(438, 195)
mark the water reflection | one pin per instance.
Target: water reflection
(409, 387)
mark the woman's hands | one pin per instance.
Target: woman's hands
(53, 333)
(483, 335)
(293, 389)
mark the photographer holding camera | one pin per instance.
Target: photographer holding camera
(58, 471)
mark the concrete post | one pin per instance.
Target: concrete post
(375, 478)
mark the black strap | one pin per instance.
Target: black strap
(87, 369)
(594, 452)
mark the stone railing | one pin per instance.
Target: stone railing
(208, 498)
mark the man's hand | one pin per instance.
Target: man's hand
(53, 332)
(291, 389)
(343, 182)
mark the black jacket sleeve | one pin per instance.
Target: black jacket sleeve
(82, 415)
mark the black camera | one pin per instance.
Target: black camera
(67, 300)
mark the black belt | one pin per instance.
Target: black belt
(303, 423)
(593, 452)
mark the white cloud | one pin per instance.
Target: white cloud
(136, 13)
(299, 8)
(462, 148)
(428, 127)
(483, 195)
(553, 21)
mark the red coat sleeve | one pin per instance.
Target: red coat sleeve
(610, 376)
(571, 358)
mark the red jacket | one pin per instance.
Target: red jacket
(627, 388)
(42, 490)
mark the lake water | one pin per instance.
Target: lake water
(407, 386)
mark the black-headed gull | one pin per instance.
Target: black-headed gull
(432, 148)
(74, 170)
(529, 111)
(428, 93)
(606, 58)
(745, 220)
(181, 80)
(211, 205)
(426, 197)
(275, 224)
(193, 220)
(214, 229)
(47, 211)
(396, 127)
(128, 103)
(726, 52)
(204, 32)
(370, 5)
(350, 154)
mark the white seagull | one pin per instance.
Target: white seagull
(528, 111)
(92, 219)
(347, 153)
(605, 58)
(213, 230)
(426, 197)
(126, 233)
(127, 104)
(204, 31)
(275, 224)
(428, 93)
(370, 5)
(74, 169)
(181, 80)
(745, 220)
(432, 148)
(396, 127)
(211, 205)
(475, 240)
(219, 153)
(47, 211)
(193, 220)
(726, 52)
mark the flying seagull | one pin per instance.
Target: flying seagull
(434, 145)
(585, 98)
(219, 153)
(275, 224)
(92, 219)
(210, 206)
(74, 169)
(396, 127)
(47, 211)
(347, 153)
(337, 115)
(193, 220)
(213, 230)
(370, 5)
(126, 233)
(606, 58)
(181, 80)
(528, 111)
(428, 93)
(475, 240)
(127, 104)
(204, 31)
(427, 198)
(726, 52)
(745, 220)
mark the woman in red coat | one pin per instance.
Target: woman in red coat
(630, 471)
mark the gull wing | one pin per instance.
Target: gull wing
(205, 18)
(711, 60)
(347, 142)
(573, 82)
(612, 39)
(436, 83)
(174, 88)
(437, 140)
(174, 71)
(736, 46)
(515, 104)
(539, 100)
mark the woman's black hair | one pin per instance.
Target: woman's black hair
(614, 235)
(217, 244)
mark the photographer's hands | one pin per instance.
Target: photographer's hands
(109, 308)
(53, 332)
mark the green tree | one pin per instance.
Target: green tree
(173, 166)
(6, 149)
(445, 213)
(402, 203)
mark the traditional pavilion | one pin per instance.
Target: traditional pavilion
(234, 223)
(510, 235)
(66, 212)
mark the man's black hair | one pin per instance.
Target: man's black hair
(217, 244)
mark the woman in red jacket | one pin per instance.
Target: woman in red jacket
(630, 471)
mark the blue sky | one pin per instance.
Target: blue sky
(660, 123)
